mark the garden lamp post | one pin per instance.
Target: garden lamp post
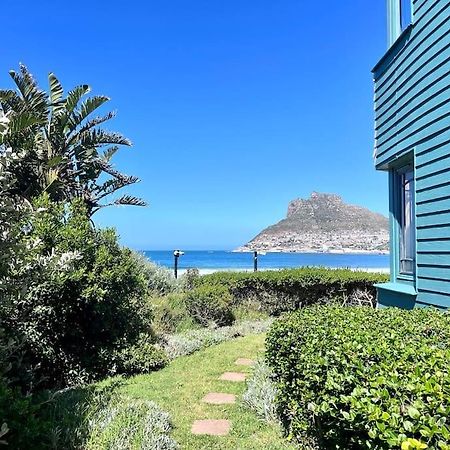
(255, 259)
(176, 254)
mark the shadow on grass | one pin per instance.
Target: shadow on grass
(69, 413)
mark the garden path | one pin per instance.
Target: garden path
(184, 389)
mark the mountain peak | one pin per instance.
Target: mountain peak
(324, 222)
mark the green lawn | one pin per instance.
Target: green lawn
(180, 387)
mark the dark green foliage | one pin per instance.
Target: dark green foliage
(359, 378)
(171, 315)
(141, 357)
(285, 290)
(210, 304)
(19, 415)
(72, 321)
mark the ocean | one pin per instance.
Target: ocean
(216, 260)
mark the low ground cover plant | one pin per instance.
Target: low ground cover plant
(98, 417)
(188, 342)
(359, 378)
(261, 392)
(278, 291)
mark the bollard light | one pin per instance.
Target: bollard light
(176, 254)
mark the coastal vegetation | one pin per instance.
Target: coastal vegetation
(360, 378)
(278, 291)
(100, 348)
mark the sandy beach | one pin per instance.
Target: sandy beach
(204, 271)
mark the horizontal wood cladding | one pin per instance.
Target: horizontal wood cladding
(439, 299)
(433, 272)
(412, 117)
(412, 90)
(434, 232)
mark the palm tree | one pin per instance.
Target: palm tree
(66, 152)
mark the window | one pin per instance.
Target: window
(407, 222)
(405, 13)
(400, 16)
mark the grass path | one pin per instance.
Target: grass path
(180, 387)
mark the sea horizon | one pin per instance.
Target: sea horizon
(209, 261)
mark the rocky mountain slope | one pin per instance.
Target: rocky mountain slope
(324, 223)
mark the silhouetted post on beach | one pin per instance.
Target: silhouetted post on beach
(255, 261)
(176, 254)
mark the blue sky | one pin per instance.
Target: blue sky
(234, 108)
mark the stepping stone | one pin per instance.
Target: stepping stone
(216, 398)
(211, 427)
(233, 376)
(244, 362)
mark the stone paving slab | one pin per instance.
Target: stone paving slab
(211, 427)
(217, 398)
(233, 376)
(244, 362)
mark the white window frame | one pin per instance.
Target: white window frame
(407, 221)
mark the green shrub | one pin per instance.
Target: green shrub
(20, 422)
(359, 378)
(210, 304)
(73, 318)
(141, 357)
(279, 291)
(170, 314)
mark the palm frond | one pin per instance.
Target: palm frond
(35, 98)
(96, 138)
(109, 153)
(10, 100)
(74, 96)
(21, 122)
(56, 89)
(97, 121)
(90, 124)
(107, 168)
(86, 108)
(129, 201)
(24, 81)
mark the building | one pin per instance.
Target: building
(412, 144)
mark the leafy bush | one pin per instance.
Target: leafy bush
(74, 319)
(210, 304)
(141, 357)
(359, 378)
(286, 290)
(19, 418)
(171, 315)
(260, 393)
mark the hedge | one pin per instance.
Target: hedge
(360, 378)
(286, 290)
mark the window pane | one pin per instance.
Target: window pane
(407, 223)
(406, 13)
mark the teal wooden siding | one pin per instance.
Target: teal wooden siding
(412, 116)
